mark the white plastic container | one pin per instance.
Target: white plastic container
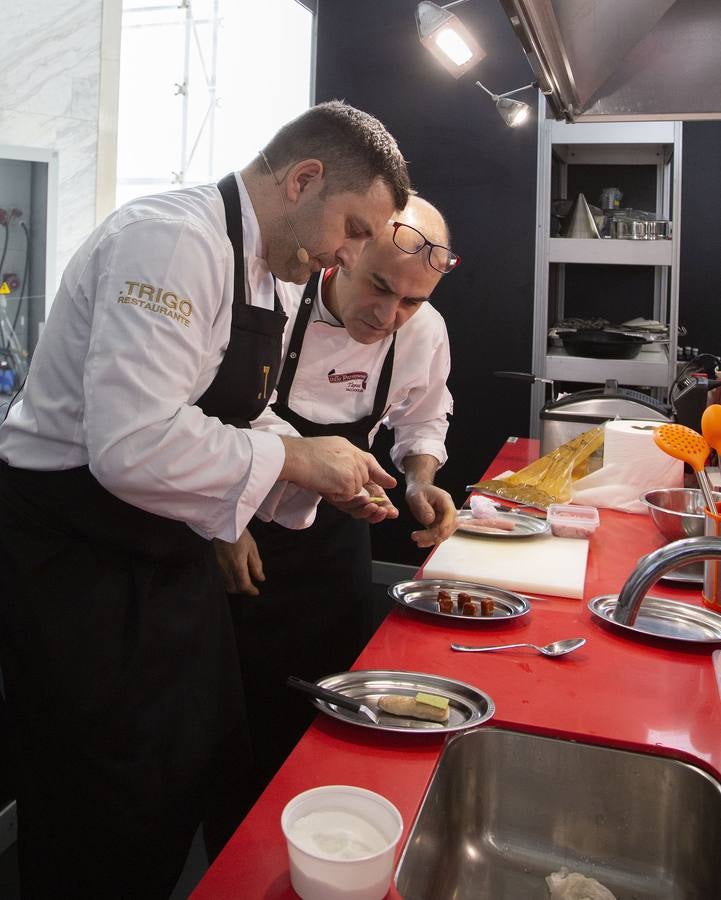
(341, 843)
(568, 520)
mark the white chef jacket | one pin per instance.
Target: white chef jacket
(136, 334)
(336, 381)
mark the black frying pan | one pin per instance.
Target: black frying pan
(603, 344)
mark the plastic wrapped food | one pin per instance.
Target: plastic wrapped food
(548, 480)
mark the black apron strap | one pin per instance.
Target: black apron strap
(249, 369)
(380, 403)
(228, 188)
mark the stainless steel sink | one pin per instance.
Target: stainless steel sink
(505, 809)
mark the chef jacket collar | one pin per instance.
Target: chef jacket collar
(323, 311)
(257, 274)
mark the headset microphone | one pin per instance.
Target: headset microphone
(301, 252)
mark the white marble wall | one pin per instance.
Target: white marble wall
(49, 95)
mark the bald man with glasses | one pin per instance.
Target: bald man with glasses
(362, 348)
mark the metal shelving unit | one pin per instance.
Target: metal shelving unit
(608, 143)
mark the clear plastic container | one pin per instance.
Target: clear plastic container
(570, 521)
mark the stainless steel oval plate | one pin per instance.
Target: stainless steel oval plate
(523, 526)
(691, 574)
(467, 705)
(660, 617)
(422, 595)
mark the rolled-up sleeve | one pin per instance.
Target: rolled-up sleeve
(147, 443)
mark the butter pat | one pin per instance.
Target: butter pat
(432, 700)
(413, 707)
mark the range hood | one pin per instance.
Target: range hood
(598, 60)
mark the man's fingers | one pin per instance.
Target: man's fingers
(426, 538)
(255, 565)
(421, 509)
(246, 586)
(378, 474)
(448, 524)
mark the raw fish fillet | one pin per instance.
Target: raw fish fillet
(565, 885)
(485, 514)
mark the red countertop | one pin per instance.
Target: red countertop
(636, 693)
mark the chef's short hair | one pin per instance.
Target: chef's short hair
(354, 147)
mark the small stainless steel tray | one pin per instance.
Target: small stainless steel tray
(660, 617)
(422, 595)
(467, 705)
(523, 526)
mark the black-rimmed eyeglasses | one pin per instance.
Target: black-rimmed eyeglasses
(410, 240)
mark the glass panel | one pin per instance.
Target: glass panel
(225, 75)
(150, 114)
(270, 56)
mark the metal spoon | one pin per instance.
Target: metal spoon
(557, 648)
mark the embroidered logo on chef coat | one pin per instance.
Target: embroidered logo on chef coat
(354, 381)
(157, 300)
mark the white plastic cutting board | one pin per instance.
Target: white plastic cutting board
(540, 565)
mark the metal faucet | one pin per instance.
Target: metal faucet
(652, 566)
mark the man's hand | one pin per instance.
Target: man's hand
(331, 466)
(240, 564)
(363, 507)
(434, 508)
(431, 505)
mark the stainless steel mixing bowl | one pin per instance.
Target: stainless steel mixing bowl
(677, 512)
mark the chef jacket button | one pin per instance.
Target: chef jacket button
(307, 300)
(293, 354)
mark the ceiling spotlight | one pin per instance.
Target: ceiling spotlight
(513, 112)
(447, 37)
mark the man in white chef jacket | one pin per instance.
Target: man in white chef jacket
(362, 347)
(125, 452)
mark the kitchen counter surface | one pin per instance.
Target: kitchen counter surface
(641, 694)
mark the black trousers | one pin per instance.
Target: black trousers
(312, 619)
(123, 689)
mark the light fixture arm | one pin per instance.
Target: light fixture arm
(454, 3)
(525, 87)
(495, 97)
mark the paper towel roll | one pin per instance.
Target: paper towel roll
(632, 465)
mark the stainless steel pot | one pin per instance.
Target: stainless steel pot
(659, 229)
(629, 229)
(563, 418)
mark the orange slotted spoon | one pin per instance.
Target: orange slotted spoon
(711, 426)
(691, 447)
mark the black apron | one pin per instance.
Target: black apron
(316, 597)
(120, 666)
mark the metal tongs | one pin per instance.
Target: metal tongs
(333, 697)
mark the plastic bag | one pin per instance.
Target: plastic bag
(548, 479)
